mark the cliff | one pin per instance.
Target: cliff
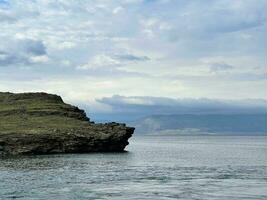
(40, 123)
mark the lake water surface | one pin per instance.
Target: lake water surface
(155, 167)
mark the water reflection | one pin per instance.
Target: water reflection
(56, 161)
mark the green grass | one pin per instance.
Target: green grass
(31, 105)
(16, 115)
(39, 124)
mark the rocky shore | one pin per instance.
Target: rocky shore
(40, 123)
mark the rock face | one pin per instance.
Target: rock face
(40, 123)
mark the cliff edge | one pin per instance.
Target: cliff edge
(41, 123)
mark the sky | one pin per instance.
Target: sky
(109, 55)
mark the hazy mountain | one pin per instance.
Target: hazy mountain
(232, 124)
(127, 109)
(186, 116)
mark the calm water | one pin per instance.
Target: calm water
(199, 167)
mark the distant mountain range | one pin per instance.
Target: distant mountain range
(161, 115)
(221, 124)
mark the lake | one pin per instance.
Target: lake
(154, 167)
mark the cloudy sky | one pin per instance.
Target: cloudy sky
(135, 52)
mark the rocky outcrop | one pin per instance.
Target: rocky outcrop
(40, 123)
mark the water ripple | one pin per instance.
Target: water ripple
(154, 168)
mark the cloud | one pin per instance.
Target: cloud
(139, 106)
(218, 67)
(39, 59)
(7, 16)
(22, 52)
(131, 58)
(112, 61)
(220, 17)
(137, 47)
(7, 59)
(33, 47)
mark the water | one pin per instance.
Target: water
(159, 167)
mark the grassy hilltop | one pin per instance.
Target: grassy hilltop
(38, 112)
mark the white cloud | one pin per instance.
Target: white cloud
(111, 61)
(39, 59)
(100, 61)
(65, 45)
(117, 10)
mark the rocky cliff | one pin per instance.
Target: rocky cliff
(40, 123)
